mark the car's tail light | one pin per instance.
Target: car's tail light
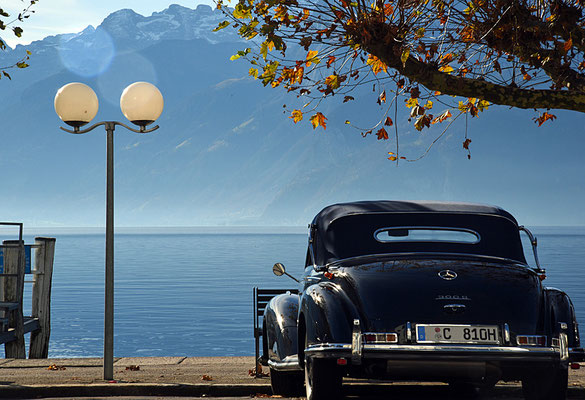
(531, 340)
(373, 338)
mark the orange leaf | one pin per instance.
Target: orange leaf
(330, 60)
(442, 117)
(544, 117)
(382, 97)
(392, 158)
(388, 122)
(318, 120)
(466, 144)
(382, 134)
(567, 45)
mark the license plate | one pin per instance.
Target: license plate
(439, 333)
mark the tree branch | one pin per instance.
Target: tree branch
(430, 77)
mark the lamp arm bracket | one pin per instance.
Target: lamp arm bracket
(109, 125)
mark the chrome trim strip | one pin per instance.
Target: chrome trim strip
(564, 346)
(506, 334)
(534, 243)
(409, 332)
(356, 343)
(289, 363)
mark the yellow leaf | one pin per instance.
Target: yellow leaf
(483, 105)
(332, 81)
(312, 58)
(296, 116)
(446, 68)
(404, 56)
(411, 102)
(266, 46)
(376, 64)
(253, 72)
(392, 158)
(429, 105)
(463, 107)
(242, 12)
(318, 120)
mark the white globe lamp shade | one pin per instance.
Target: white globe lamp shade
(142, 103)
(76, 104)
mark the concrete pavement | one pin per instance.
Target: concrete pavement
(185, 377)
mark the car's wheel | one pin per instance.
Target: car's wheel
(322, 380)
(549, 384)
(287, 384)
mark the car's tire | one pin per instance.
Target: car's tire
(549, 384)
(287, 384)
(322, 379)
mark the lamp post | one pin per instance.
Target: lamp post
(77, 104)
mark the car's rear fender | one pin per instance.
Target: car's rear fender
(561, 311)
(280, 327)
(328, 313)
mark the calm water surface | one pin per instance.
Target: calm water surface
(190, 294)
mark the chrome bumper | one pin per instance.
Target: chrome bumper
(434, 352)
(289, 363)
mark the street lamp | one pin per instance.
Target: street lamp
(77, 104)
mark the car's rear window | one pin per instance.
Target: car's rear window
(425, 234)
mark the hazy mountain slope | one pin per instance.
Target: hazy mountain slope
(226, 154)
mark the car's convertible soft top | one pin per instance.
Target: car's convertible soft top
(347, 230)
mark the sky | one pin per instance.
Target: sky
(53, 17)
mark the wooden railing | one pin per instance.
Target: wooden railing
(13, 323)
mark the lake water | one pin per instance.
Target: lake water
(189, 292)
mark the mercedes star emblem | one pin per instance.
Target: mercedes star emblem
(448, 275)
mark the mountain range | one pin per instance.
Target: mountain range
(226, 153)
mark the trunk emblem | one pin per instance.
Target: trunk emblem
(447, 274)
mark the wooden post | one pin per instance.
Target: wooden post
(41, 297)
(13, 292)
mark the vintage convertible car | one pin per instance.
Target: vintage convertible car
(429, 291)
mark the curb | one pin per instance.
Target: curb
(132, 389)
(239, 390)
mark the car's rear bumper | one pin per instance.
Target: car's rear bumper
(437, 352)
(440, 353)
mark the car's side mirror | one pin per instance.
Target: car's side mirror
(279, 270)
